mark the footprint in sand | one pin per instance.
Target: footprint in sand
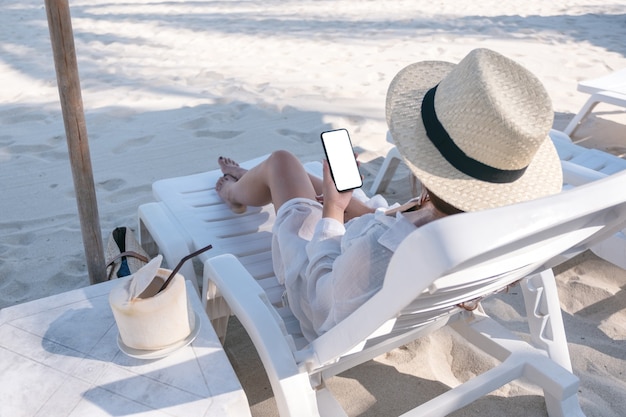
(127, 194)
(195, 124)
(14, 289)
(19, 239)
(21, 116)
(131, 144)
(306, 137)
(73, 273)
(47, 152)
(112, 184)
(30, 149)
(218, 134)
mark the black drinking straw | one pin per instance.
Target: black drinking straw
(180, 264)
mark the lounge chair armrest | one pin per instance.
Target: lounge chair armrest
(249, 303)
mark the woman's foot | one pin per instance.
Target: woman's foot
(222, 186)
(230, 167)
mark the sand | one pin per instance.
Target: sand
(169, 86)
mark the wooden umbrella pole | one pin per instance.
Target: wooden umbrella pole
(62, 38)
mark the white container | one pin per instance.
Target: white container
(153, 320)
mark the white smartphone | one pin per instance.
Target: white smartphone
(340, 155)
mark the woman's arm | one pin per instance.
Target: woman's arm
(341, 206)
(335, 202)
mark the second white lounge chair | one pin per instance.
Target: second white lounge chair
(580, 166)
(609, 89)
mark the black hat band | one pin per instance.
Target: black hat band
(453, 154)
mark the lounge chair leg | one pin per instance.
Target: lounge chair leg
(217, 309)
(385, 174)
(544, 316)
(584, 111)
(569, 407)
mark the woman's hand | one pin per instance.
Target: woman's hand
(335, 202)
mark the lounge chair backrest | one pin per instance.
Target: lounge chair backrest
(470, 255)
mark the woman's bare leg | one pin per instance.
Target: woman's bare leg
(231, 168)
(278, 179)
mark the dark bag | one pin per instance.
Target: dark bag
(124, 254)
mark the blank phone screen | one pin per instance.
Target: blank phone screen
(343, 165)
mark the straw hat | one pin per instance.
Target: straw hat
(488, 122)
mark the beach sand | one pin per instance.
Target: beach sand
(169, 86)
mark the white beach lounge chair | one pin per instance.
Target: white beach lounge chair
(466, 256)
(580, 166)
(458, 260)
(609, 89)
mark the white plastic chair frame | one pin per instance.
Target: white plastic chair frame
(459, 258)
(240, 280)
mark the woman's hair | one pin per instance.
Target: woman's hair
(442, 206)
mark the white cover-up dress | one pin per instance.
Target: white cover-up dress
(329, 269)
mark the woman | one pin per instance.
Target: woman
(476, 136)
